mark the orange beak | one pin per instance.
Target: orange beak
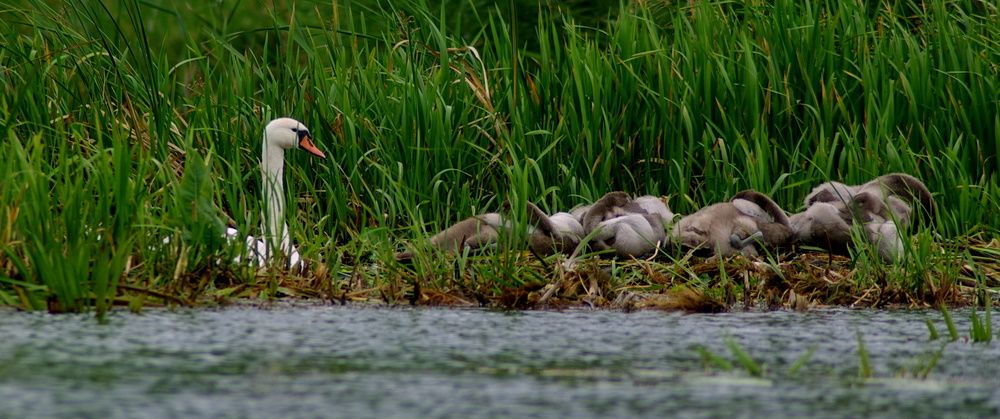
(306, 144)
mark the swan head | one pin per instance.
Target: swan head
(288, 133)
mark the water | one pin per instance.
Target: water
(326, 361)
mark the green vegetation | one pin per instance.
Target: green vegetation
(135, 121)
(744, 359)
(952, 331)
(982, 328)
(864, 363)
(922, 364)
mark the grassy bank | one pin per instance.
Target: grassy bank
(138, 121)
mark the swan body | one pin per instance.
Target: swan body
(279, 135)
(823, 224)
(559, 233)
(655, 205)
(750, 219)
(476, 233)
(258, 250)
(883, 207)
(901, 192)
(627, 228)
(880, 225)
(831, 225)
(550, 234)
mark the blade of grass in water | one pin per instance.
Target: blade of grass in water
(864, 363)
(931, 329)
(952, 331)
(744, 359)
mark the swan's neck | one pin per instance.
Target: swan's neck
(275, 229)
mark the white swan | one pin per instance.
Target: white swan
(279, 135)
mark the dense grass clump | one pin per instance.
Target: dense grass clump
(130, 122)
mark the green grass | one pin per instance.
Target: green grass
(864, 363)
(114, 106)
(982, 328)
(922, 365)
(952, 331)
(752, 367)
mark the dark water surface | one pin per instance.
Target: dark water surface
(325, 361)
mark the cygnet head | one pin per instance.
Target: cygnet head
(288, 133)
